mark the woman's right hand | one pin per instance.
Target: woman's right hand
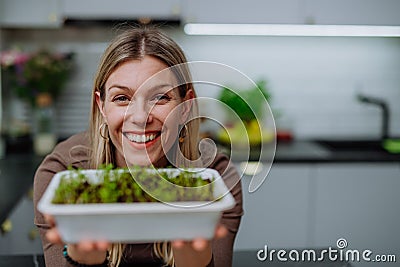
(85, 252)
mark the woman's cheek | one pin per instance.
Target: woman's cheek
(172, 112)
(168, 116)
(117, 115)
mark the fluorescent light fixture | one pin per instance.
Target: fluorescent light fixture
(292, 30)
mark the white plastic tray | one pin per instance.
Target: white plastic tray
(136, 222)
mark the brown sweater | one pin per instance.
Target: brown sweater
(73, 152)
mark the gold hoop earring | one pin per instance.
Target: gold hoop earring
(103, 126)
(183, 133)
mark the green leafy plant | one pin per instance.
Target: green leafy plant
(248, 103)
(119, 186)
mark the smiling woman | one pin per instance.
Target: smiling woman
(136, 118)
(144, 113)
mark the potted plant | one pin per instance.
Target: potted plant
(37, 78)
(136, 204)
(131, 185)
(249, 106)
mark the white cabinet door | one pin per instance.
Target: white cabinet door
(352, 12)
(30, 14)
(278, 213)
(121, 9)
(241, 11)
(360, 203)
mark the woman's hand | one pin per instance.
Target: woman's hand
(197, 252)
(85, 252)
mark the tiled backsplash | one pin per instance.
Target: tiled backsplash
(313, 80)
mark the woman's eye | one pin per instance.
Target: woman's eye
(161, 98)
(121, 98)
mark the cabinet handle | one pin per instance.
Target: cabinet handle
(6, 227)
(29, 194)
(251, 168)
(33, 233)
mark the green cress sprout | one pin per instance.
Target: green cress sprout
(118, 186)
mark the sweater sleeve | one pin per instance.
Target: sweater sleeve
(223, 248)
(67, 153)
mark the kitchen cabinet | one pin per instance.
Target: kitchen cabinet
(249, 11)
(16, 204)
(121, 9)
(30, 14)
(360, 203)
(53, 13)
(312, 205)
(278, 213)
(350, 12)
(23, 238)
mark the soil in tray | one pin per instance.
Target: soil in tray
(121, 186)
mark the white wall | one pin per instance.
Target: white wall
(313, 79)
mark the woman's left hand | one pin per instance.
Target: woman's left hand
(197, 252)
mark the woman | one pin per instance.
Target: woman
(137, 120)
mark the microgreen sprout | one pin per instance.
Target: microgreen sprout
(118, 185)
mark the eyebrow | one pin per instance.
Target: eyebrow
(157, 87)
(119, 87)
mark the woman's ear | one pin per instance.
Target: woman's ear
(187, 105)
(100, 104)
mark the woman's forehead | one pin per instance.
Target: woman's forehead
(148, 73)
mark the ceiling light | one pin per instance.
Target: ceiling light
(292, 30)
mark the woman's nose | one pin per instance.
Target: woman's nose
(138, 113)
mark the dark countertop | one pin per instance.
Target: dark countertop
(17, 169)
(318, 151)
(16, 178)
(248, 258)
(240, 259)
(22, 261)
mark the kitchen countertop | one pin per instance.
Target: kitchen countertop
(16, 178)
(240, 259)
(318, 151)
(17, 169)
(248, 258)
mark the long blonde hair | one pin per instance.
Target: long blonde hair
(133, 44)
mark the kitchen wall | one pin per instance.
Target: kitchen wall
(313, 80)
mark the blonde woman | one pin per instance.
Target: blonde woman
(142, 136)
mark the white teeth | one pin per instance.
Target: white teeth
(140, 138)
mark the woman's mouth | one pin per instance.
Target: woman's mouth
(141, 138)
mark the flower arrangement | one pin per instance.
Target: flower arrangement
(32, 74)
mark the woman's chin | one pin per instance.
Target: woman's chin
(141, 158)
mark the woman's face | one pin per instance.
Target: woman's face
(143, 118)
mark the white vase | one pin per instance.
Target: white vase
(44, 130)
(43, 143)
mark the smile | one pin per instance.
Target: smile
(141, 138)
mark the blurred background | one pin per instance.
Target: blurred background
(334, 94)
